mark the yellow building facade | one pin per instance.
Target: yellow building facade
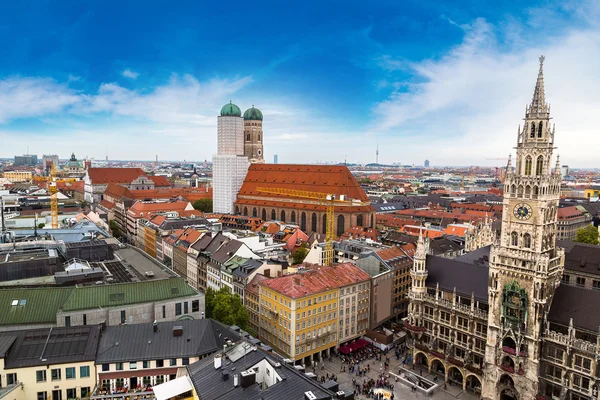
(299, 328)
(18, 176)
(299, 313)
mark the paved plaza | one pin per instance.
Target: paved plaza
(401, 391)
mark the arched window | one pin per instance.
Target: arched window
(372, 224)
(527, 240)
(303, 221)
(313, 223)
(273, 215)
(527, 190)
(254, 212)
(539, 165)
(237, 210)
(520, 191)
(540, 129)
(294, 216)
(514, 239)
(282, 216)
(535, 192)
(259, 137)
(513, 189)
(340, 225)
(246, 211)
(248, 137)
(264, 214)
(532, 130)
(324, 223)
(528, 165)
(359, 220)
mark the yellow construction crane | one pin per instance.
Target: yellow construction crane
(329, 200)
(53, 198)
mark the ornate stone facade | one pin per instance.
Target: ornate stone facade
(480, 235)
(501, 325)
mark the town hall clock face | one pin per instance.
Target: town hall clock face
(523, 211)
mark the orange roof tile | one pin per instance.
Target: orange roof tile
(114, 175)
(326, 179)
(316, 280)
(160, 181)
(456, 230)
(140, 208)
(569, 212)
(107, 204)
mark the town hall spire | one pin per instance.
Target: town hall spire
(538, 102)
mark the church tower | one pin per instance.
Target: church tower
(525, 265)
(418, 289)
(253, 135)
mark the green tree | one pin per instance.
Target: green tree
(588, 235)
(204, 205)
(114, 228)
(41, 225)
(300, 254)
(209, 301)
(226, 308)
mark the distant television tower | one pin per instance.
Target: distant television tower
(377, 155)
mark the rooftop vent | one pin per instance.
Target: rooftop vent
(309, 396)
(177, 331)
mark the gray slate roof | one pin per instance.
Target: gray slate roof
(126, 343)
(581, 257)
(51, 346)
(467, 278)
(210, 385)
(577, 303)
(226, 251)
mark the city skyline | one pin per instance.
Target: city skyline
(422, 81)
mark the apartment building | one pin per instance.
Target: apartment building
(299, 313)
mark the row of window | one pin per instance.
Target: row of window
(178, 311)
(146, 364)
(56, 374)
(71, 394)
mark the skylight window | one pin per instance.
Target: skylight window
(22, 302)
(14, 303)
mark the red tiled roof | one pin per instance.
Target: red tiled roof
(456, 230)
(391, 253)
(358, 232)
(139, 208)
(189, 194)
(415, 230)
(253, 285)
(299, 206)
(326, 179)
(107, 204)
(569, 212)
(172, 238)
(114, 175)
(117, 191)
(160, 181)
(317, 280)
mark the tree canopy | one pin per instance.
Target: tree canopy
(588, 235)
(300, 254)
(204, 205)
(114, 228)
(226, 307)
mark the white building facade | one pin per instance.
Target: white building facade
(229, 164)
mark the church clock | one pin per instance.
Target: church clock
(523, 211)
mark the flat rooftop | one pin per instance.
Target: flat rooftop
(139, 263)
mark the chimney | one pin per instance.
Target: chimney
(217, 361)
(155, 326)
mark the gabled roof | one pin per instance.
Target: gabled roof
(317, 280)
(581, 257)
(293, 385)
(87, 297)
(329, 179)
(125, 343)
(139, 208)
(52, 346)
(466, 278)
(114, 175)
(226, 251)
(577, 303)
(160, 181)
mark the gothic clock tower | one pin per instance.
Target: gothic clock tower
(525, 264)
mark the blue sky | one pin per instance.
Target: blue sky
(447, 81)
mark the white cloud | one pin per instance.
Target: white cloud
(467, 105)
(32, 97)
(130, 74)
